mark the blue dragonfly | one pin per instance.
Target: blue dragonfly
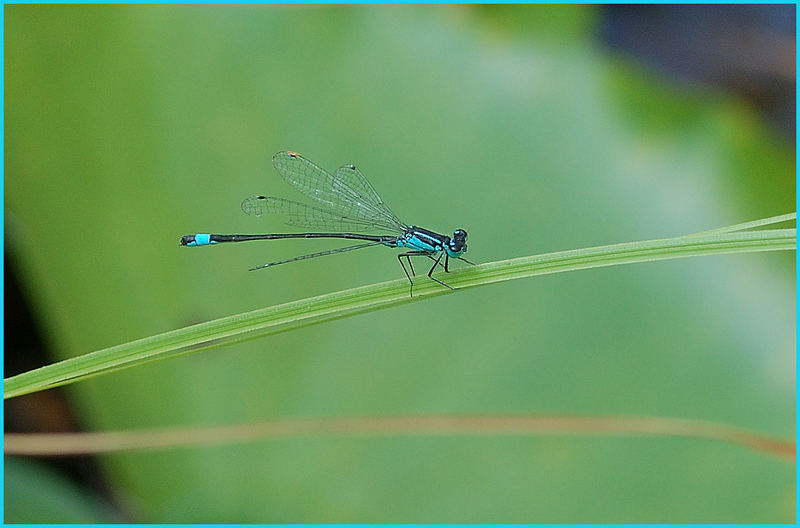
(346, 203)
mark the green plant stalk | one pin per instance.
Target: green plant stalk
(314, 310)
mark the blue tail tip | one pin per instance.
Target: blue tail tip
(200, 239)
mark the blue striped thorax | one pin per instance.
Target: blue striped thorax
(420, 239)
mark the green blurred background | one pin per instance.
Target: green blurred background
(129, 126)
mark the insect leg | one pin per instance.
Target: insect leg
(430, 272)
(408, 255)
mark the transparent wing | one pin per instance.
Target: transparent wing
(347, 193)
(353, 183)
(310, 216)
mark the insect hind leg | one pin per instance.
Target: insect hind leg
(408, 255)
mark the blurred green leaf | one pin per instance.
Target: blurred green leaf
(128, 126)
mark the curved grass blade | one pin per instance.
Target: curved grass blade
(750, 225)
(346, 303)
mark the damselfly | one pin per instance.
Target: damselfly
(346, 203)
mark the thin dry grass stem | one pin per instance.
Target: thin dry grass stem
(63, 444)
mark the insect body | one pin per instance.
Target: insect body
(346, 205)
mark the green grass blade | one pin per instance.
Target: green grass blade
(314, 310)
(750, 225)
